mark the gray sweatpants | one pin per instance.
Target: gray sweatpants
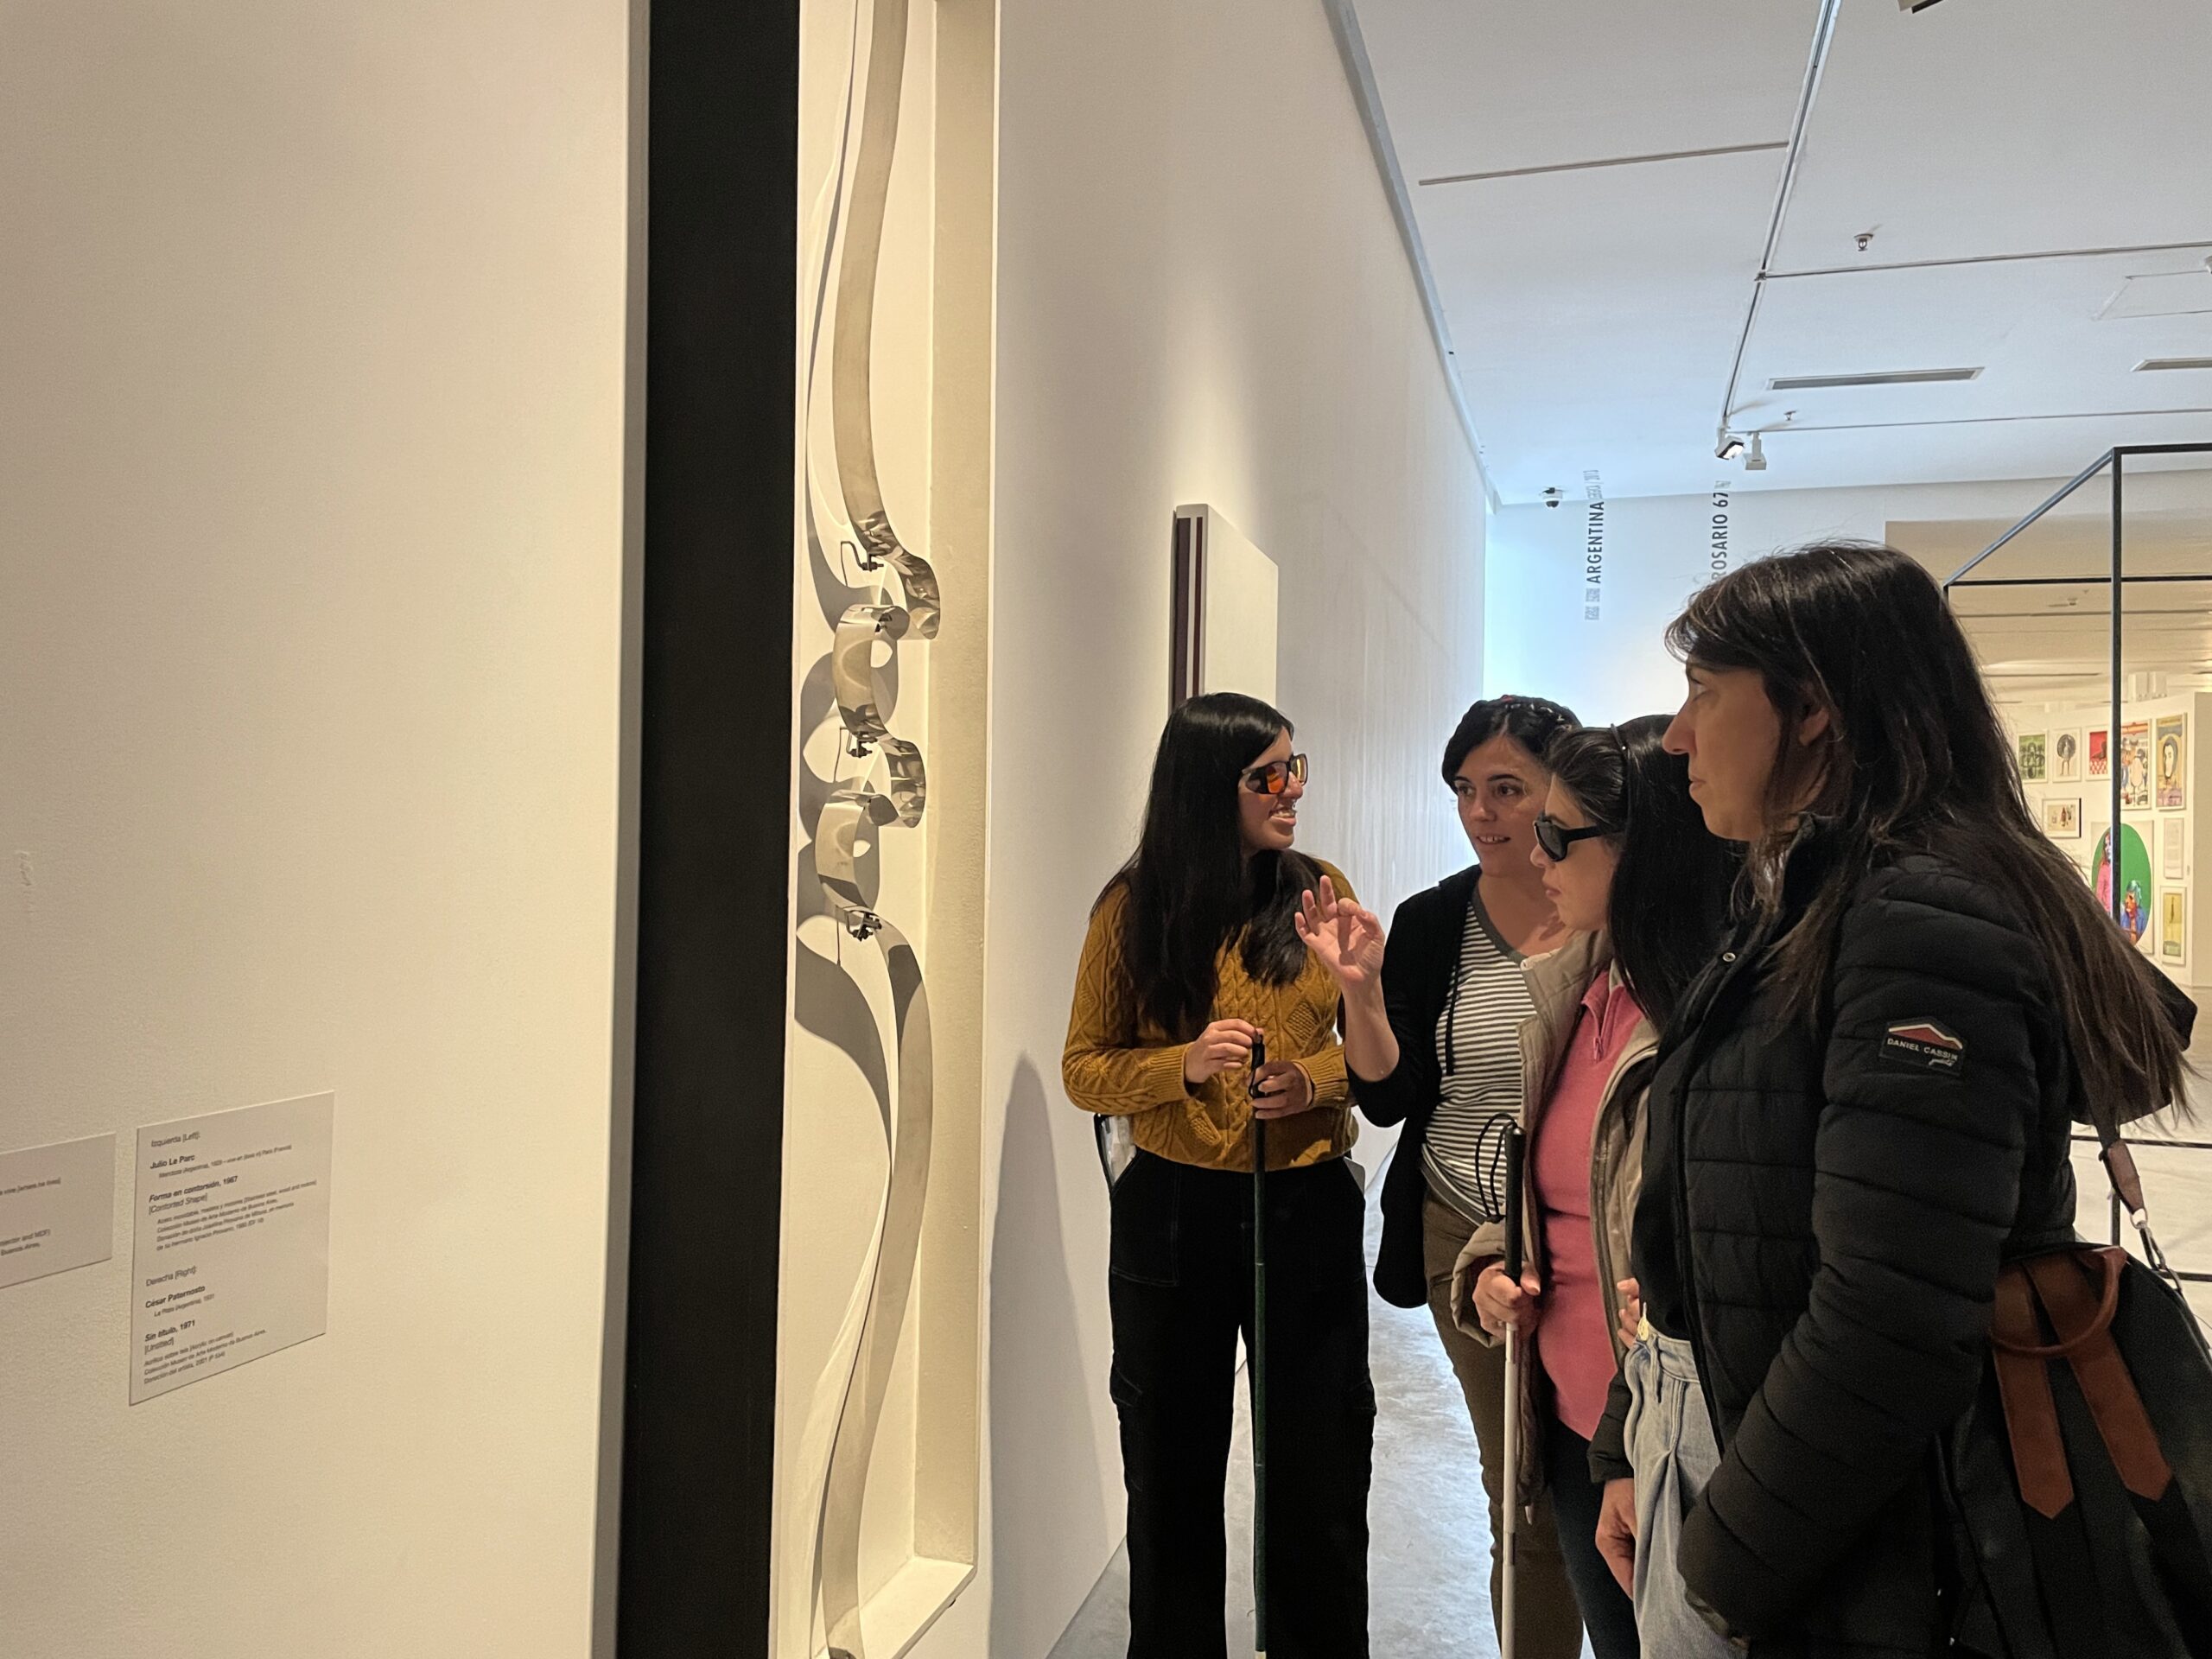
(1669, 1436)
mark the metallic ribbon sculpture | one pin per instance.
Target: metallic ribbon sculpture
(838, 1442)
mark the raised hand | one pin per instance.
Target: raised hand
(1346, 937)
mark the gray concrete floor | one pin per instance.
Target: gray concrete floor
(1429, 1560)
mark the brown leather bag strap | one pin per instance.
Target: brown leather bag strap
(2125, 1179)
(2082, 1327)
(2082, 1317)
(2023, 1387)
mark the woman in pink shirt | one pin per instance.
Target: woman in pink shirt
(1632, 870)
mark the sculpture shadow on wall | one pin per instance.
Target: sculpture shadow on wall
(828, 1003)
(826, 999)
(817, 707)
(1039, 1384)
(847, 813)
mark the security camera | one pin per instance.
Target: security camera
(1731, 447)
(1551, 497)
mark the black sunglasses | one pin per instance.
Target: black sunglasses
(1555, 838)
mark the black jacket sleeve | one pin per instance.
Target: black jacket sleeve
(1609, 1444)
(1413, 995)
(1929, 1099)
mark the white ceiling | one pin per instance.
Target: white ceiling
(1596, 312)
(2039, 609)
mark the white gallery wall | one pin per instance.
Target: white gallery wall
(312, 460)
(1642, 557)
(1201, 298)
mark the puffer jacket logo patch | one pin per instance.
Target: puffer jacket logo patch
(1924, 1044)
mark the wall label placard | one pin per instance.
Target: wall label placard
(57, 1207)
(231, 1259)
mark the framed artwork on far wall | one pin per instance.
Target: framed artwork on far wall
(2033, 759)
(2171, 752)
(2066, 757)
(2173, 845)
(2061, 819)
(2123, 885)
(2135, 765)
(2173, 934)
(2100, 754)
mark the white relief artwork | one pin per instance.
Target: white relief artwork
(877, 596)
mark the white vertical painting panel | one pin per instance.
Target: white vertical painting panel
(1242, 612)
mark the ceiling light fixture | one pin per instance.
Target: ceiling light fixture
(1915, 5)
(1881, 378)
(1730, 446)
(2162, 294)
(2151, 365)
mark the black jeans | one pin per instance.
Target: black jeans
(1181, 1292)
(1607, 1614)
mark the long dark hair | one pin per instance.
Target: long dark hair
(1916, 761)
(1533, 722)
(1190, 889)
(1673, 882)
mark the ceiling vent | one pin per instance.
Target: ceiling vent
(2162, 294)
(1891, 378)
(2151, 364)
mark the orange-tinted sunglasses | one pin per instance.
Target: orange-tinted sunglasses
(1275, 779)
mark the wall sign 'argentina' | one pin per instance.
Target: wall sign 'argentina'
(1593, 549)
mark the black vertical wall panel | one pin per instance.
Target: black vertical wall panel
(714, 829)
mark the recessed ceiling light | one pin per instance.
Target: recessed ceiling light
(2150, 364)
(1886, 377)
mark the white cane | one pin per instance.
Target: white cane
(1510, 1549)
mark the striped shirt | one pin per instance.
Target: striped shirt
(1478, 1054)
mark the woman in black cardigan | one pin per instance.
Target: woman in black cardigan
(1443, 1057)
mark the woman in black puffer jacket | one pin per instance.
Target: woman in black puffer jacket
(1863, 1107)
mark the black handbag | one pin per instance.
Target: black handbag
(2078, 1484)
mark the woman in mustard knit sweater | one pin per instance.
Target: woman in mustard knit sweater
(1194, 953)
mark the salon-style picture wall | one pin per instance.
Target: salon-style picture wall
(2069, 758)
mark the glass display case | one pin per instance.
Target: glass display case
(2092, 615)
